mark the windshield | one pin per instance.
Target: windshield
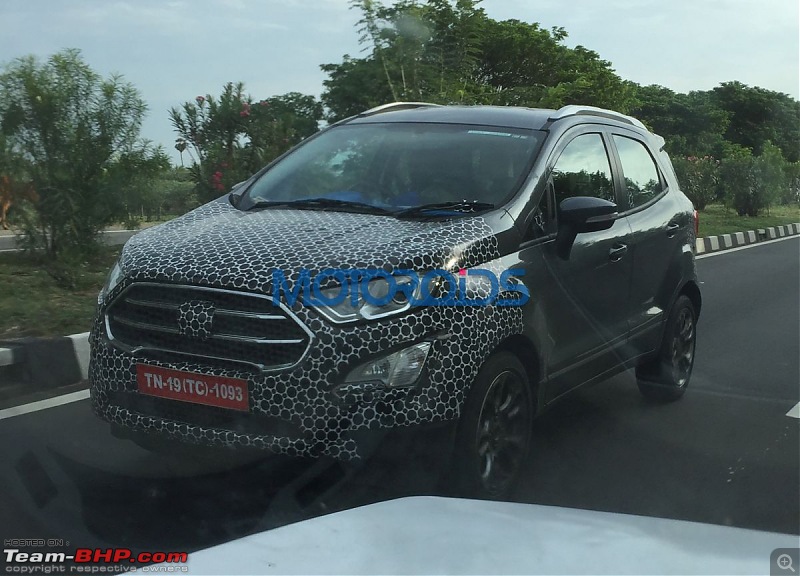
(394, 165)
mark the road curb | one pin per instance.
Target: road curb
(736, 239)
(44, 363)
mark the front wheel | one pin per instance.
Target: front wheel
(495, 429)
(665, 378)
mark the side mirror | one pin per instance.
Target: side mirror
(582, 214)
(587, 214)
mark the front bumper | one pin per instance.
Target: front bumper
(294, 412)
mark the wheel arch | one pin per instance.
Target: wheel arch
(525, 351)
(692, 291)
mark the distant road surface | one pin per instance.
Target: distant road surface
(110, 237)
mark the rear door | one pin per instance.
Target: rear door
(656, 238)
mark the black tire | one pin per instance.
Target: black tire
(494, 432)
(666, 377)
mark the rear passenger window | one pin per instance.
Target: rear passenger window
(583, 170)
(641, 175)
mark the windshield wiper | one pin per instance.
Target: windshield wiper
(320, 204)
(461, 207)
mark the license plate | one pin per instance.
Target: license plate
(190, 387)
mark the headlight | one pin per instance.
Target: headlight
(397, 370)
(385, 299)
(114, 278)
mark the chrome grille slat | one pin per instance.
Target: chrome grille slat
(143, 326)
(240, 314)
(238, 327)
(234, 338)
(150, 304)
(219, 311)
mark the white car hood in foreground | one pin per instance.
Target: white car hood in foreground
(429, 535)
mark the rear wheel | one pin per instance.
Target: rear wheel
(495, 429)
(666, 377)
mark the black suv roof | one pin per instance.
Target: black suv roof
(507, 116)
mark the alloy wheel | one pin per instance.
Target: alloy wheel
(503, 434)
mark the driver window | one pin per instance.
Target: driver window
(583, 169)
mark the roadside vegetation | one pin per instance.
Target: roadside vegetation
(34, 302)
(73, 163)
(718, 219)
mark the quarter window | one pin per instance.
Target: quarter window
(583, 169)
(642, 182)
(543, 221)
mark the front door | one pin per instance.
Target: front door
(585, 298)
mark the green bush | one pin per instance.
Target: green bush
(737, 180)
(75, 137)
(754, 183)
(791, 190)
(168, 192)
(698, 178)
(176, 193)
(768, 179)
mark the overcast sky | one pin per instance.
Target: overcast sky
(174, 50)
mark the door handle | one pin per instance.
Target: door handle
(671, 228)
(617, 252)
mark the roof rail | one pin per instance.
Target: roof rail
(392, 106)
(576, 110)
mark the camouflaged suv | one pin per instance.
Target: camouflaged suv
(414, 267)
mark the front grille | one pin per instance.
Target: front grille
(205, 416)
(221, 325)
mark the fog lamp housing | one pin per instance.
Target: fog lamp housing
(400, 369)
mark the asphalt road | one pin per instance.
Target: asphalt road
(727, 453)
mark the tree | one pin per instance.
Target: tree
(758, 115)
(450, 51)
(71, 133)
(353, 86)
(692, 124)
(231, 136)
(522, 58)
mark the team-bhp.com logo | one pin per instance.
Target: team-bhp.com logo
(92, 560)
(467, 287)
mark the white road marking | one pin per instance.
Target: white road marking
(794, 412)
(728, 251)
(44, 404)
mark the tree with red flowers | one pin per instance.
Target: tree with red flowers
(231, 136)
